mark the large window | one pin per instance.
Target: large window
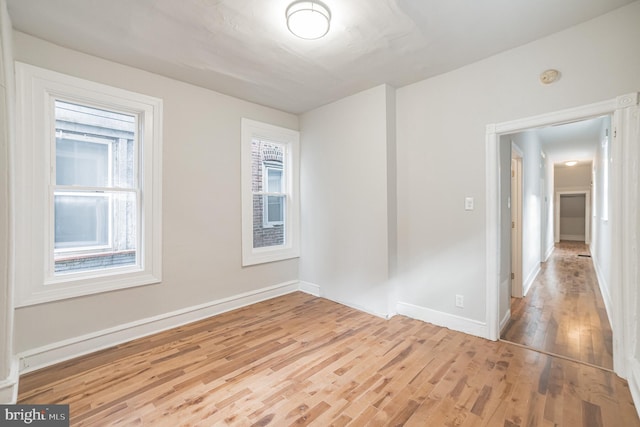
(90, 184)
(270, 217)
(95, 196)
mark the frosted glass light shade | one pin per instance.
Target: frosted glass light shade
(308, 19)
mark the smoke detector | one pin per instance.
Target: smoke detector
(549, 76)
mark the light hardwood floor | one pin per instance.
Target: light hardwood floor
(564, 312)
(302, 360)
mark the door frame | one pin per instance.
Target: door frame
(516, 222)
(624, 204)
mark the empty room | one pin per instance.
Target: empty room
(274, 213)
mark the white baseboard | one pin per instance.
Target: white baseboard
(38, 358)
(548, 253)
(531, 277)
(310, 288)
(361, 308)
(634, 382)
(505, 319)
(451, 321)
(507, 315)
(572, 237)
(604, 286)
(9, 385)
(315, 290)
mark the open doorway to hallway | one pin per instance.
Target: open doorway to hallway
(560, 305)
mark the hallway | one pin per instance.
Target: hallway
(564, 312)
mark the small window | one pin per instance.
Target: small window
(270, 202)
(274, 195)
(90, 185)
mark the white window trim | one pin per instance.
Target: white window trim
(251, 129)
(36, 87)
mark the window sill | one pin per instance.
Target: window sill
(61, 287)
(264, 255)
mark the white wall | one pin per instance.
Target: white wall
(504, 303)
(347, 152)
(8, 369)
(572, 177)
(201, 204)
(547, 217)
(441, 147)
(530, 145)
(634, 383)
(602, 228)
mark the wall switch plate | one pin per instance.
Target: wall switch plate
(460, 301)
(468, 203)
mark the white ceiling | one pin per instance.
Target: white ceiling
(572, 141)
(243, 48)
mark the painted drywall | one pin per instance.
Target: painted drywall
(601, 238)
(201, 204)
(544, 175)
(392, 198)
(504, 303)
(547, 204)
(569, 178)
(441, 147)
(530, 146)
(8, 387)
(344, 186)
(636, 279)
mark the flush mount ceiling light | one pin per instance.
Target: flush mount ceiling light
(308, 20)
(571, 163)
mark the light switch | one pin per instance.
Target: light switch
(468, 203)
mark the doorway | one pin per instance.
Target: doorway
(573, 216)
(557, 308)
(624, 111)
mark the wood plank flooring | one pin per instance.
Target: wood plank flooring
(564, 312)
(301, 360)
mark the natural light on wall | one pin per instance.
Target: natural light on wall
(308, 20)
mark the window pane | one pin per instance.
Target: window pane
(265, 235)
(265, 156)
(82, 163)
(275, 209)
(274, 180)
(94, 147)
(81, 221)
(94, 231)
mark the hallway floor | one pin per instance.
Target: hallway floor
(564, 312)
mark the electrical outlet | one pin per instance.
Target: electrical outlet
(460, 301)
